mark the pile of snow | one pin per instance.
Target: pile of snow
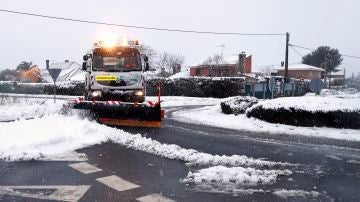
(237, 105)
(224, 178)
(311, 103)
(285, 194)
(212, 116)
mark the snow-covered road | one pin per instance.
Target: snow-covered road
(41, 130)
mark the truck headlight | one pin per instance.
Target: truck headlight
(96, 93)
(139, 93)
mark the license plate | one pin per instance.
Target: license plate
(105, 78)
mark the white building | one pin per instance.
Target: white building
(70, 71)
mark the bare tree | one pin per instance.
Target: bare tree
(149, 52)
(168, 62)
(213, 62)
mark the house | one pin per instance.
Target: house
(300, 71)
(31, 75)
(231, 66)
(70, 71)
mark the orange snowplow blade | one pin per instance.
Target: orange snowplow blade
(116, 113)
(130, 123)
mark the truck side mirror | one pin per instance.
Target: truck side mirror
(146, 60)
(147, 66)
(84, 66)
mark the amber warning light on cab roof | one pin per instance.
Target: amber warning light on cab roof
(101, 43)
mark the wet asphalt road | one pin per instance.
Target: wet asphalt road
(329, 167)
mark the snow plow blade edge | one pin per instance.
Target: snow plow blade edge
(133, 115)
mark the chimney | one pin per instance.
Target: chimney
(242, 57)
(47, 64)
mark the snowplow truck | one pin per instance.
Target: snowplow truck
(115, 87)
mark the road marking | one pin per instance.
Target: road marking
(59, 193)
(117, 183)
(68, 156)
(85, 168)
(154, 198)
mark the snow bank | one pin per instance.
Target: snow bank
(285, 194)
(212, 116)
(232, 178)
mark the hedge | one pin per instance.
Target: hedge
(76, 88)
(237, 105)
(197, 87)
(300, 117)
(191, 87)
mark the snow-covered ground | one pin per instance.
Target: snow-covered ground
(50, 134)
(176, 101)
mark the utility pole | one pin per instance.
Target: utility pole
(222, 46)
(286, 79)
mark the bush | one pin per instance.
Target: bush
(300, 117)
(237, 105)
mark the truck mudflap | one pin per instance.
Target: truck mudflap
(117, 113)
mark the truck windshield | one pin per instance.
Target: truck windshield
(121, 63)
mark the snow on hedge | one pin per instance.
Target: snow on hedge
(237, 105)
(312, 103)
(226, 179)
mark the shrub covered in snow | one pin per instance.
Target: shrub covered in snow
(309, 111)
(237, 105)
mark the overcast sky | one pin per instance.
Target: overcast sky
(311, 23)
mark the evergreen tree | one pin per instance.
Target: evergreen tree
(324, 57)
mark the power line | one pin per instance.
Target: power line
(345, 55)
(296, 51)
(139, 27)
